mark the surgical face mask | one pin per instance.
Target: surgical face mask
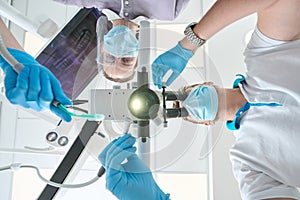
(202, 103)
(121, 42)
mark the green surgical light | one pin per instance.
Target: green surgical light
(143, 103)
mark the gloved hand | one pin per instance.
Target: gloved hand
(34, 87)
(131, 180)
(175, 59)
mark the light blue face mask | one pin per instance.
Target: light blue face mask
(202, 103)
(121, 42)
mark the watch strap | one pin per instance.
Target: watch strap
(192, 37)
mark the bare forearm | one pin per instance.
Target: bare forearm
(8, 38)
(224, 13)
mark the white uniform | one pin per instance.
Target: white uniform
(266, 155)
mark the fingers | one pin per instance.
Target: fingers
(102, 156)
(58, 92)
(60, 113)
(111, 145)
(175, 59)
(50, 90)
(25, 88)
(208, 83)
(119, 151)
(111, 152)
(189, 88)
(112, 157)
(157, 75)
(172, 78)
(46, 95)
(165, 62)
(176, 104)
(16, 86)
(59, 95)
(113, 180)
(135, 165)
(195, 121)
(115, 169)
(114, 154)
(159, 70)
(22, 83)
(10, 80)
(115, 159)
(34, 89)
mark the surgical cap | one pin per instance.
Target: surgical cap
(121, 42)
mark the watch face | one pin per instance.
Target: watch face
(192, 25)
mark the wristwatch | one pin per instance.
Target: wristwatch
(192, 37)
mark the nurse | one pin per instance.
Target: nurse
(262, 107)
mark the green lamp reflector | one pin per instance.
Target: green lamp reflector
(143, 103)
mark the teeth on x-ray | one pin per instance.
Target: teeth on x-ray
(83, 41)
(69, 50)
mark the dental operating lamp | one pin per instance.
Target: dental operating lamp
(144, 103)
(140, 104)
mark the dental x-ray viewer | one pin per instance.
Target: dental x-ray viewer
(262, 108)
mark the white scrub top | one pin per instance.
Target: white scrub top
(266, 155)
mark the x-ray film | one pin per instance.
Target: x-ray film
(71, 55)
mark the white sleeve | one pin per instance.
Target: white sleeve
(257, 185)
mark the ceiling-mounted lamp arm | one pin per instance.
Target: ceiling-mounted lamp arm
(44, 29)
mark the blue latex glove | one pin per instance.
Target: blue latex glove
(175, 59)
(131, 180)
(34, 87)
